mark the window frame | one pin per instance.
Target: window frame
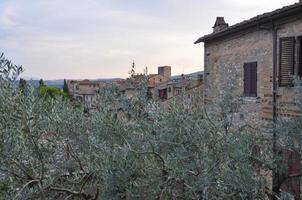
(249, 93)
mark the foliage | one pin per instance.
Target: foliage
(8, 70)
(41, 83)
(50, 92)
(129, 147)
(132, 71)
(65, 87)
(22, 84)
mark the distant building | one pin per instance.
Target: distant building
(84, 91)
(178, 87)
(155, 79)
(161, 86)
(164, 87)
(165, 71)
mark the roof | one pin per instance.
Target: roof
(255, 21)
(194, 75)
(85, 82)
(152, 75)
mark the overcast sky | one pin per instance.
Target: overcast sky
(55, 39)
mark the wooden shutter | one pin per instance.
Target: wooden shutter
(300, 57)
(246, 80)
(287, 61)
(290, 170)
(250, 79)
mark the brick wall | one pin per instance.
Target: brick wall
(224, 61)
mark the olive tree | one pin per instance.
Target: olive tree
(126, 148)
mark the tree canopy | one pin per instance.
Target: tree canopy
(128, 148)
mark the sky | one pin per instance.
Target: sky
(76, 39)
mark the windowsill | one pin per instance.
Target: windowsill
(251, 99)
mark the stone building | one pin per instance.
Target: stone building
(186, 90)
(129, 86)
(84, 91)
(165, 71)
(162, 86)
(163, 76)
(254, 56)
(256, 59)
(177, 87)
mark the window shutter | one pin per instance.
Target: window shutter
(253, 69)
(290, 171)
(247, 80)
(300, 57)
(250, 79)
(287, 61)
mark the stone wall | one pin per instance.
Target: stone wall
(285, 95)
(224, 61)
(192, 98)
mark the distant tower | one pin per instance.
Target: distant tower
(165, 71)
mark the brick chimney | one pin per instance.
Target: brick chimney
(220, 24)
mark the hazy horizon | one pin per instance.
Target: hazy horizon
(101, 38)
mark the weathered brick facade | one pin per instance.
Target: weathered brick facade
(225, 56)
(224, 61)
(258, 40)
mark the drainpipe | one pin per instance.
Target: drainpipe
(276, 185)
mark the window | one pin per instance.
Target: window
(289, 170)
(286, 61)
(163, 94)
(250, 79)
(178, 91)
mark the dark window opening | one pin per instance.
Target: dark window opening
(163, 94)
(250, 79)
(286, 61)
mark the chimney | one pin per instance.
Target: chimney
(220, 24)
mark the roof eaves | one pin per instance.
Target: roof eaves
(253, 22)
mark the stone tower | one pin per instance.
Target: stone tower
(165, 71)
